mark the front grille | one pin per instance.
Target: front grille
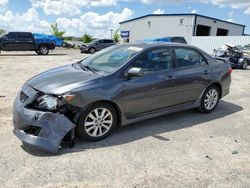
(23, 97)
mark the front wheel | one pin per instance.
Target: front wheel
(244, 65)
(92, 50)
(97, 122)
(209, 99)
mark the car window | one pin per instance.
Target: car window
(12, 36)
(108, 41)
(24, 35)
(155, 60)
(187, 57)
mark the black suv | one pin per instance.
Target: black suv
(96, 45)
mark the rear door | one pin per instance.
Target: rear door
(192, 74)
(155, 90)
(25, 41)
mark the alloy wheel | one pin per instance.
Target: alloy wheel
(98, 122)
(245, 64)
(43, 50)
(211, 99)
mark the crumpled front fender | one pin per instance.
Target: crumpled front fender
(51, 127)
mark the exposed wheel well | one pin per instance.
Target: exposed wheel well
(43, 45)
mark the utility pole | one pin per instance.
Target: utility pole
(111, 32)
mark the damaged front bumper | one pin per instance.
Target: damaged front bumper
(38, 128)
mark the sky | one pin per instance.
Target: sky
(98, 17)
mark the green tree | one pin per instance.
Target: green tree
(116, 36)
(55, 31)
(2, 32)
(87, 38)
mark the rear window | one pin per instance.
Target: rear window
(108, 41)
(187, 57)
(24, 35)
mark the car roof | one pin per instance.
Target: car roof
(146, 45)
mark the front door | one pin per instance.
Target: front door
(11, 43)
(155, 90)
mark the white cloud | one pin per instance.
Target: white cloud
(159, 11)
(230, 20)
(93, 23)
(3, 5)
(194, 11)
(28, 21)
(236, 4)
(69, 7)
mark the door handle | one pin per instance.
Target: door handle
(170, 78)
(206, 72)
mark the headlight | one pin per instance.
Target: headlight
(48, 102)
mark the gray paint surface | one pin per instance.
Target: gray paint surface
(136, 98)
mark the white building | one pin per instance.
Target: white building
(186, 25)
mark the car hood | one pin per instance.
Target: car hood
(63, 79)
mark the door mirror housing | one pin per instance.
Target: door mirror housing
(134, 72)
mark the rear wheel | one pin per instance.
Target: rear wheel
(37, 52)
(97, 122)
(43, 50)
(209, 99)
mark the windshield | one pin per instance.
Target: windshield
(94, 41)
(110, 59)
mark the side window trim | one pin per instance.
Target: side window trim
(190, 48)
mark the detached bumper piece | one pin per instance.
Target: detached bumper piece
(44, 130)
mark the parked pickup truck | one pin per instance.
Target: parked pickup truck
(25, 41)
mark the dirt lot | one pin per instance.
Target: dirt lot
(185, 149)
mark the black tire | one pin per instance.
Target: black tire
(204, 104)
(244, 65)
(43, 50)
(92, 50)
(87, 131)
(38, 52)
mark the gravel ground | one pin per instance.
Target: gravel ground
(185, 149)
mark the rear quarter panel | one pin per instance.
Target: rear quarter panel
(221, 74)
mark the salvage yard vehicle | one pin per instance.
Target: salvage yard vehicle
(25, 41)
(119, 85)
(232, 55)
(96, 45)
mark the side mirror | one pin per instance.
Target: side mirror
(134, 72)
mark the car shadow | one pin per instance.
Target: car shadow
(147, 128)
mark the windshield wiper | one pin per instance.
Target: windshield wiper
(88, 68)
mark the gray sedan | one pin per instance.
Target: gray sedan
(119, 85)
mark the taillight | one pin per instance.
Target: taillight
(229, 70)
